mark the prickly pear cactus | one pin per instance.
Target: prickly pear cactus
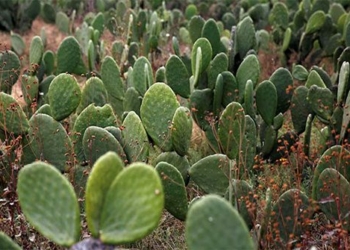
(212, 174)
(110, 75)
(211, 32)
(249, 69)
(7, 243)
(135, 137)
(179, 162)
(49, 203)
(49, 141)
(91, 116)
(98, 141)
(142, 77)
(132, 101)
(93, 92)
(266, 101)
(286, 230)
(133, 205)
(231, 129)
(10, 67)
(244, 39)
(218, 65)
(69, 57)
(181, 130)
(36, 50)
(321, 101)
(212, 223)
(157, 110)
(283, 81)
(174, 190)
(101, 177)
(201, 56)
(12, 117)
(332, 193)
(64, 96)
(177, 76)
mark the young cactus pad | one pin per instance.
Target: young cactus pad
(49, 203)
(10, 68)
(212, 223)
(103, 173)
(181, 130)
(133, 205)
(64, 96)
(157, 110)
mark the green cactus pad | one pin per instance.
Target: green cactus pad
(91, 116)
(300, 72)
(201, 104)
(7, 243)
(206, 51)
(300, 109)
(266, 101)
(93, 92)
(98, 22)
(62, 22)
(283, 81)
(212, 223)
(279, 15)
(12, 117)
(314, 79)
(211, 174)
(132, 101)
(231, 129)
(211, 32)
(30, 88)
(321, 101)
(98, 141)
(66, 86)
(218, 65)
(179, 162)
(135, 137)
(248, 105)
(101, 177)
(17, 43)
(243, 195)
(195, 27)
(10, 70)
(177, 76)
(343, 84)
(346, 118)
(249, 145)
(160, 75)
(36, 50)
(288, 223)
(249, 69)
(142, 76)
(44, 109)
(49, 60)
(110, 75)
(218, 95)
(315, 22)
(324, 76)
(157, 110)
(133, 205)
(69, 57)
(230, 88)
(181, 130)
(49, 141)
(49, 203)
(245, 38)
(332, 194)
(174, 190)
(336, 157)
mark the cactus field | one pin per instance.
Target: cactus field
(149, 124)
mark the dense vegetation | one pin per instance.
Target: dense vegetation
(102, 140)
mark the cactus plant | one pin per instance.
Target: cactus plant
(212, 223)
(67, 86)
(55, 212)
(157, 110)
(10, 66)
(177, 76)
(211, 174)
(174, 190)
(93, 92)
(135, 137)
(181, 130)
(7, 243)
